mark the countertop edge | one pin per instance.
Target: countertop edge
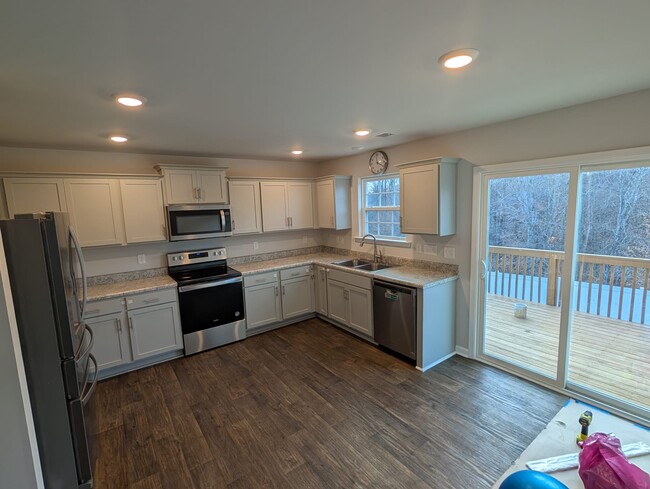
(94, 296)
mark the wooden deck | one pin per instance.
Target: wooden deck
(607, 355)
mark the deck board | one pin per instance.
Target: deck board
(608, 355)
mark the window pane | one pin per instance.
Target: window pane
(372, 216)
(385, 229)
(372, 228)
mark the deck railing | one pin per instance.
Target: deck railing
(610, 286)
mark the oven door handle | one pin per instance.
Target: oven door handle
(189, 288)
(223, 220)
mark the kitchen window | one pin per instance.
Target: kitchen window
(380, 214)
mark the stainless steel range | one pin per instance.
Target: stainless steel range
(211, 298)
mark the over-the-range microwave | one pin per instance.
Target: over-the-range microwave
(197, 221)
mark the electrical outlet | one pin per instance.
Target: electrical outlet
(450, 252)
(142, 259)
(256, 245)
(430, 249)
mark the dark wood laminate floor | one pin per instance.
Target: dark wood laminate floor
(310, 406)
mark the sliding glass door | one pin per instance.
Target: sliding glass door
(564, 291)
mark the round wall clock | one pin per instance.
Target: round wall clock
(378, 162)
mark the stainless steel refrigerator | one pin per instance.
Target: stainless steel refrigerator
(48, 286)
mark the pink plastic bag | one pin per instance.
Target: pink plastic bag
(604, 466)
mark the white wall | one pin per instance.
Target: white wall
(614, 123)
(19, 462)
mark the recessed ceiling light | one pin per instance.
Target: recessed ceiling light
(362, 132)
(119, 139)
(129, 99)
(458, 58)
(296, 152)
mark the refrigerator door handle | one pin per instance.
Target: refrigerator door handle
(90, 388)
(82, 352)
(82, 266)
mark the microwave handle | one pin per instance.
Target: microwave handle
(223, 219)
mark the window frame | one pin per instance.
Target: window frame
(363, 209)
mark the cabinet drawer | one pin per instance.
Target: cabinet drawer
(101, 308)
(295, 272)
(350, 278)
(260, 278)
(151, 298)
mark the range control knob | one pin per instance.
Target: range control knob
(174, 258)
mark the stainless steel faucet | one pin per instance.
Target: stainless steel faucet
(376, 256)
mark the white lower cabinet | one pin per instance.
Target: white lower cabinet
(155, 330)
(272, 297)
(132, 329)
(349, 301)
(320, 292)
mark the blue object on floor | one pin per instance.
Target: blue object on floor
(531, 479)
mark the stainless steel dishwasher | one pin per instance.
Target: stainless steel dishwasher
(394, 311)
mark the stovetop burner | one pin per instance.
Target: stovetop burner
(200, 266)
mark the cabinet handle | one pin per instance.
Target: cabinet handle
(284, 290)
(276, 290)
(232, 222)
(151, 301)
(287, 222)
(119, 325)
(131, 322)
(346, 295)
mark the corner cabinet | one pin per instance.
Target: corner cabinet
(287, 205)
(245, 206)
(333, 202)
(135, 331)
(194, 185)
(428, 197)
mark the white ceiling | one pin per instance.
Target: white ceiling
(254, 78)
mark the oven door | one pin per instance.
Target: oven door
(198, 222)
(208, 305)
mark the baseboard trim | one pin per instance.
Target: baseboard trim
(440, 360)
(139, 364)
(462, 351)
(281, 324)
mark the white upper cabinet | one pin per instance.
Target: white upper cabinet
(300, 205)
(95, 210)
(428, 197)
(287, 205)
(29, 195)
(245, 206)
(144, 217)
(191, 185)
(333, 202)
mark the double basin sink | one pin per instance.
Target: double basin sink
(362, 265)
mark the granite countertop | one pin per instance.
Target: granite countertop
(120, 289)
(400, 274)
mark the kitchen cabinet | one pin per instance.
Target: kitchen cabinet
(333, 202)
(95, 209)
(192, 185)
(287, 205)
(29, 195)
(349, 300)
(135, 331)
(320, 292)
(428, 197)
(245, 206)
(274, 297)
(144, 216)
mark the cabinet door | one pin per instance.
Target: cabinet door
(297, 298)
(181, 187)
(321, 290)
(360, 313)
(95, 210)
(155, 330)
(28, 195)
(263, 305)
(111, 345)
(274, 206)
(337, 301)
(419, 199)
(144, 215)
(245, 206)
(325, 199)
(212, 186)
(300, 205)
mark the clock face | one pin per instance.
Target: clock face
(378, 162)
